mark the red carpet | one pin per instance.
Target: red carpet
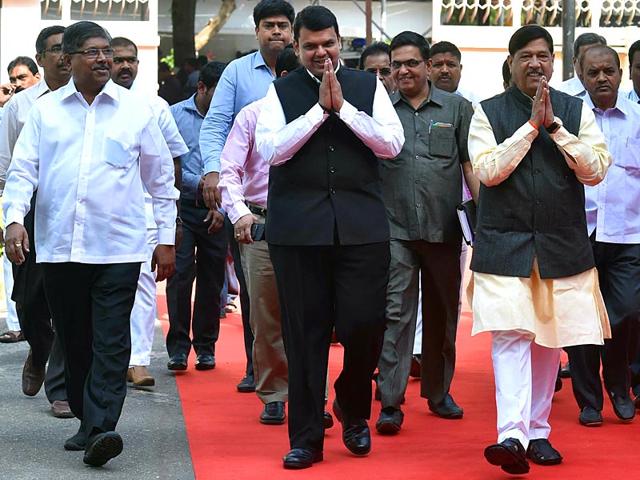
(228, 442)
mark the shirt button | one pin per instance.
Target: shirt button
(332, 170)
(417, 157)
(418, 205)
(416, 114)
(332, 148)
(333, 191)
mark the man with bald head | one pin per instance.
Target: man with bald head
(613, 223)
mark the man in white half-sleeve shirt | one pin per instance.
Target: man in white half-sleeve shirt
(322, 129)
(143, 315)
(99, 145)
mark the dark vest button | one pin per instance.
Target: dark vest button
(332, 170)
(332, 148)
(333, 191)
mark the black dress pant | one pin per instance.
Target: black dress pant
(320, 287)
(619, 275)
(34, 316)
(199, 257)
(91, 306)
(244, 294)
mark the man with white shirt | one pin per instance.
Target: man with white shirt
(573, 86)
(28, 290)
(634, 71)
(143, 315)
(614, 226)
(322, 129)
(89, 171)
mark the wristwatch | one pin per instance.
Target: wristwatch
(555, 126)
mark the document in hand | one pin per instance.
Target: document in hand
(467, 217)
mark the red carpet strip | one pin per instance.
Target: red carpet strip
(228, 442)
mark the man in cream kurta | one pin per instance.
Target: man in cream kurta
(534, 286)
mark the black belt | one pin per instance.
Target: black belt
(256, 209)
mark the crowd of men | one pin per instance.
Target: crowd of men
(335, 190)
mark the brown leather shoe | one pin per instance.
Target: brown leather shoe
(140, 377)
(32, 377)
(61, 409)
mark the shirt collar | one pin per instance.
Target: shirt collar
(318, 81)
(40, 89)
(633, 96)
(110, 89)
(435, 96)
(257, 61)
(621, 103)
(190, 105)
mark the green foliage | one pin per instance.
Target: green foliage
(169, 60)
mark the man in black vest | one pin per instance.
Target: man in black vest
(534, 284)
(322, 129)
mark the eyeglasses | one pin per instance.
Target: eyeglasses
(119, 60)
(412, 63)
(56, 49)
(93, 53)
(385, 72)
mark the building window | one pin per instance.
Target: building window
(50, 9)
(110, 10)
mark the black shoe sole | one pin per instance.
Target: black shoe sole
(205, 366)
(327, 422)
(597, 423)
(108, 446)
(506, 459)
(388, 428)
(177, 367)
(301, 465)
(246, 388)
(272, 421)
(448, 416)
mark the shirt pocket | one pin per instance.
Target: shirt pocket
(118, 154)
(442, 137)
(629, 157)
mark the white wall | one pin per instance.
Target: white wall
(20, 24)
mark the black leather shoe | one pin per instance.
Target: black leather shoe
(76, 443)
(590, 417)
(623, 406)
(390, 421)
(177, 362)
(355, 432)
(509, 455)
(102, 448)
(327, 420)
(447, 408)
(565, 372)
(273, 414)
(558, 386)
(205, 361)
(247, 384)
(298, 458)
(541, 452)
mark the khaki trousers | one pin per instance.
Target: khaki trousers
(269, 360)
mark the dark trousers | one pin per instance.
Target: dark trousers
(619, 275)
(320, 287)
(34, 316)
(438, 265)
(244, 295)
(91, 306)
(199, 257)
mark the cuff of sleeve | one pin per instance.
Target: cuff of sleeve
(561, 136)
(13, 216)
(167, 236)
(527, 131)
(238, 211)
(316, 114)
(212, 168)
(347, 112)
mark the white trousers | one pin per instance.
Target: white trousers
(12, 317)
(525, 376)
(143, 315)
(417, 342)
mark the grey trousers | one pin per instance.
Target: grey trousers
(439, 267)
(54, 384)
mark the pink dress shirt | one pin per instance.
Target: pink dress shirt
(244, 175)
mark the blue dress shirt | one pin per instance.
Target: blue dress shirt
(189, 121)
(244, 81)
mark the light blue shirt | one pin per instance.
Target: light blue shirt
(633, 96)
(244, 81)
(612, 205)
(189, 121)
